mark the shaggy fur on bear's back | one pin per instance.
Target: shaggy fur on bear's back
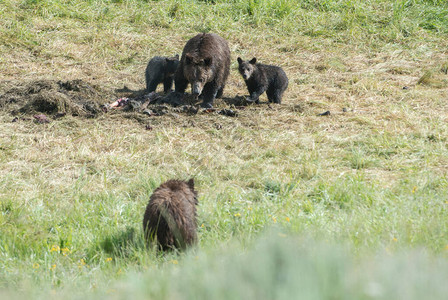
(161, 70)
(170, 215)
(205, 64)
(260, 78)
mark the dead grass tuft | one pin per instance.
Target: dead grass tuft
(432, 79)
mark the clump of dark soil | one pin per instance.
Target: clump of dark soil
(51, 97)
(46, 100)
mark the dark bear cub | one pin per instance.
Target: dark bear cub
(205, 65)
(260, 78)
(161, 70)
(170, 215)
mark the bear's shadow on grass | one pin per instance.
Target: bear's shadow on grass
(177, 99)
(131, 93)
(236, 101)
(186, 98)
(123, 243)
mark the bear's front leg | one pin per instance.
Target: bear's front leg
(255, 95)
(209, 94)
(252, 100)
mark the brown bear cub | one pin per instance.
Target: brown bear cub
(161, 70)
(205, 65)
(260, 78)
(170, 215)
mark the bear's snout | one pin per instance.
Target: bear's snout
(246, 75)
(196, 89)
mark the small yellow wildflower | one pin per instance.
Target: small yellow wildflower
(108, 259)
(274, 219)
(53, 267)
(394, 239)
(36, 266)
(202, 225)
(414, 189)
(237, 215)
(249, 208)
(55, 248)
(81, 263)
(446, 247)
(65, 251)
(174, 262)
(287, 219)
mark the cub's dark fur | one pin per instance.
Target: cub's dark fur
(161, 70)
(205, 65)
(170, 215)
(260, 78)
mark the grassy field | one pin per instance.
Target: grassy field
(292, 205)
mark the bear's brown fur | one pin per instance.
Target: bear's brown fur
(161, 70)
(205, 65)
(170, 215)
(261, 78)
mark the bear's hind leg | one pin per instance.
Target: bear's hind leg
(220, 91)
(274, 95)
(167, 84)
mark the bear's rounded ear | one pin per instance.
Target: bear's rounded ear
(239, 60)
(191, 183)
(208, 61)
(253, 61)
(188, 59)
(172, 58)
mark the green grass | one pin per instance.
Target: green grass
(291, 204)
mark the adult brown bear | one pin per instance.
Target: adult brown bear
(205, 64)
(170, 215)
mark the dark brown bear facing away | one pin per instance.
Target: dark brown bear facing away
(205, 65)
(261, 78)
(170, 215)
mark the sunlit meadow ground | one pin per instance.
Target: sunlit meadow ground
(353, 205)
